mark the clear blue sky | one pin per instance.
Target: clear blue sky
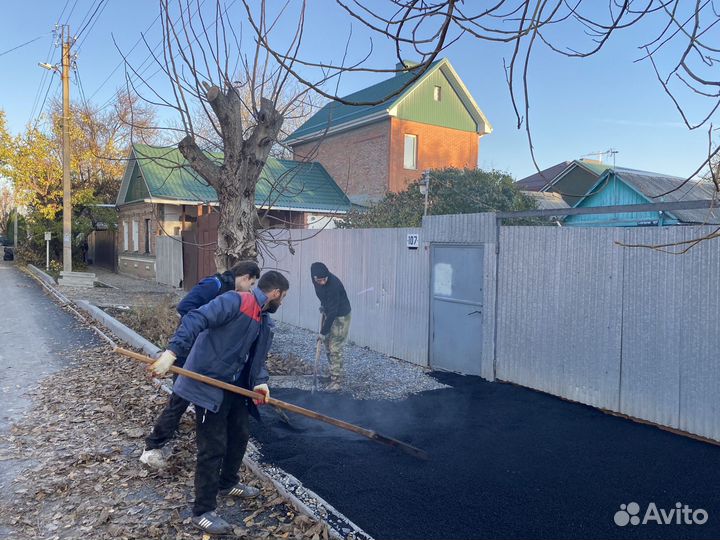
(577, 106)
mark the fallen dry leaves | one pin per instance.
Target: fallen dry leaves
(81, 478)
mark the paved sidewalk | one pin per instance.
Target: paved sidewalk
(123, 290)
(37, 337)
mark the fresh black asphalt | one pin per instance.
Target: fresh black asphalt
(506, 462)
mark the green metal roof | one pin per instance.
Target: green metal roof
(286, 184)
(336, 114)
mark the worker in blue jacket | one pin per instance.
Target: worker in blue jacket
(227, 339)
(241, 277)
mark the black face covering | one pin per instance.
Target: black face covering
(318, 269)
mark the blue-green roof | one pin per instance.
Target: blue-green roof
(283, 184)
(336, 114)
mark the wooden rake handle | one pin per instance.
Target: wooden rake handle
(370, 434)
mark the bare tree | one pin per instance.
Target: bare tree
(223, 66)
(231, 100)
(678, 38)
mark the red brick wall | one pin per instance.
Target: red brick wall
(437, 147)
(139, 212)
(135, 261)
(356, 159)
(369, 160)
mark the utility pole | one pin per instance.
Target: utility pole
(67, 202)
(67, 276)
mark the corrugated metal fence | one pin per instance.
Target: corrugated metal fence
(169, 260)
(386, 282)
(631, 330)
(578, 315)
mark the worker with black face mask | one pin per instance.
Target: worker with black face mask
(335, 309)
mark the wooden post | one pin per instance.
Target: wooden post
(67, 202)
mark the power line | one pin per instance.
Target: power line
(23, 44)
(94, 22)
(80, 86)
(80, 24)
(140, 71)
(63, 9)
(47, 61)
(122, 61)
(44, 78)
(69, 14)
(40, 110)
(100, 3)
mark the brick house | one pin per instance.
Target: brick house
(371, 150)
(161, 196)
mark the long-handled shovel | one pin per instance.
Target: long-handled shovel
(318, 347)
(370, 434)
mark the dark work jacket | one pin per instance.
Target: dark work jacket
(333, 300)
(207, 289)
(223, 337)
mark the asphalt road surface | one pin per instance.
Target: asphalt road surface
(35, 336)
(506, 462)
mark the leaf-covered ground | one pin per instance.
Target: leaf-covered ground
(80, 477)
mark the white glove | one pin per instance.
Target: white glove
(262, 389)
(163, 363)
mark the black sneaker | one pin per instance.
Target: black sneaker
(211, 523)
(241, 490)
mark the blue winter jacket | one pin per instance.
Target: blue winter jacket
(206, 290)
(221, 337)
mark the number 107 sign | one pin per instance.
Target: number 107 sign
(413, 241)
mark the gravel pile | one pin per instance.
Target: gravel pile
(368, 374)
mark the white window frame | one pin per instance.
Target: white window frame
(136, 235)
(126, 235)
(410, 152)
(437, 93)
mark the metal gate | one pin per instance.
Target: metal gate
(105, 250)
(456, 292)
(169, 260)
(199, 250)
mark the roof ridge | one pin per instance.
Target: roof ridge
(334, 114)
(303, 186)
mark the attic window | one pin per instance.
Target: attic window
(437, 93)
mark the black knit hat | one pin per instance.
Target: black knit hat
(318, 269)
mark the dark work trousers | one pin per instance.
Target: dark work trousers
(222, 438)
(167, 423)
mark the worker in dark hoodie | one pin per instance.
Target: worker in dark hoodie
(335, 309)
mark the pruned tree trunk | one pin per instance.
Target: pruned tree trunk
(235, 179)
